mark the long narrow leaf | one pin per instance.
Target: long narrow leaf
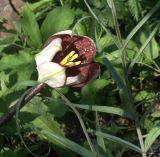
(117, 79)
(67, 143)
(100, 23)
(100, 140)
(106, 109)
(142, 48)
(151, 137)
(140, 24)
(117, 140)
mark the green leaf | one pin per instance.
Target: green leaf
(105, 109)
(100, 140)
(39, 4)
(151, 50)
(92, 89)
(16, 60)
(117, 78)
(143, 94)
(51, 136)
(135, 8)
(59, 19)
(105, 41)
(80, 29)
(140, 24)
(151, 137)
(31, 28)
(99, 84)
(156, 114)
(57, 109)
(117, 140)
(6, 41)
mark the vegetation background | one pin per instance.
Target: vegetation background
(120, 109)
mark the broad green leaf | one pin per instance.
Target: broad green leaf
(92, 89)
(148, 123)
(16, 60)
(39, 4)
(52, 136)
(117, 140)
(151, 137)
(104, 42)
(57, 109)
(151, 50)
(135, 8)
(6, 41)
(59, 19)
(99, 84)
(4, 80)
(142, 95)
(80, 29)
(31, 28)
(105, 109)
(156, 114)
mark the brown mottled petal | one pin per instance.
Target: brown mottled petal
(86, 48)
(82, 45)
(88, 72)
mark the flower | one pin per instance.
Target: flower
(67, 60)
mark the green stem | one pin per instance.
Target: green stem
(131, 102)
(61, 1)
(81, 122)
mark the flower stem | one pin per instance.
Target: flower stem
(29, 94)
(81, 122)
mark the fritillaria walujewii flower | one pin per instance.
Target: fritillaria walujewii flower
(66, 60)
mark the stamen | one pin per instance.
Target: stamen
(65, 60)
(71, 64)
(69, 60)
(75, 56)
(77, 63)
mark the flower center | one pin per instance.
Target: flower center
(69, 60)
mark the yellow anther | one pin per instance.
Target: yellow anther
(66, 59)
(77, 63)
(71, 64)
(75, 56)
(69, 60)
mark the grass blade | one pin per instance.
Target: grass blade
(117, 79)
(100, 140)
(105, 109)
(142, 48)
(66, 143)
(140, 24)
(117, 140)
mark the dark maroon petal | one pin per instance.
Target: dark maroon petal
(88, 72)
(82, 45)
(86, 48)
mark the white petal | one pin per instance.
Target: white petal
(49, 51)
(69, 32)
(52, 74)
(74, 80)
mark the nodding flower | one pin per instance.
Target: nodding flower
(66, 60)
